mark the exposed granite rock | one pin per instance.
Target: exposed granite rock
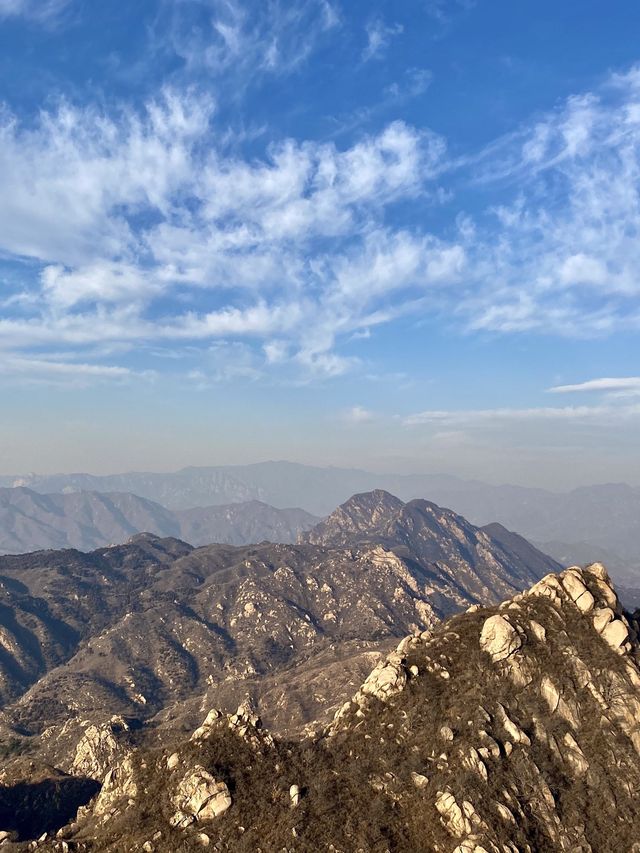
(199, 797)
(499, 638)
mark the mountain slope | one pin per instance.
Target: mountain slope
(30, 521)
(242, 523)
(434, 536)
(512, 728)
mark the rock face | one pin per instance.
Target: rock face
(434, 535)
(504, 729)
(199, 797)
(499, 638)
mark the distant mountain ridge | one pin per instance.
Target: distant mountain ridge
(30, 521)
(587, 523)
(427, 532)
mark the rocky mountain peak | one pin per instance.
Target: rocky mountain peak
(360, 517)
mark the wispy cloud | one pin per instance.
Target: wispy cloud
(242, 41)
(502, 415)
(122, 213)
(358, 415)
(35, 10)
(70, 372)
(142, 228)
(379, 36)
(564, 254)
(446, 11)
(621, 383)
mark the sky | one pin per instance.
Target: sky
(398, 236)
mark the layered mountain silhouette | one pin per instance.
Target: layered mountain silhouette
(594, 522)
(30, 521)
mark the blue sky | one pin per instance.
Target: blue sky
(399, 236)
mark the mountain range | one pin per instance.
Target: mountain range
(134, 629)
(592, 522)
(510, 727)
(31, 521)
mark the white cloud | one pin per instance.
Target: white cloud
(621, 383)
(276, 351)
(142, 228)
(231, 40)
(70, 372)
(562, 258)
(379, 36)
(358, 415)
(581, 269)
(37, 10)
(544, 413)
(122, 212)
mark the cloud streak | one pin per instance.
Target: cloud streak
(379, 36)
(621, 383)
(37, 10)
(503, 415)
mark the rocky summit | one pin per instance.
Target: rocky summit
(504, 729)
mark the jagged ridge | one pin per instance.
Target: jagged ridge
(506, 729)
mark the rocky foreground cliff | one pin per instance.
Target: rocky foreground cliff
(505, 729)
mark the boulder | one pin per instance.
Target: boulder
(388, 678)
(602, 617)
(616, 633)
(499, 638)
(200, 796)
(577, 591)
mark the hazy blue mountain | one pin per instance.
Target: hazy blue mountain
(589, 522)
(30, 521)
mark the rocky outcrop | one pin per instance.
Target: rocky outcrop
(199, 797)
(499, 638)
(100, 747)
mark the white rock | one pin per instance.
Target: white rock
(499, 638)
(602, 617)
(538, 631)
(419, 780)
(201, 796)
(550, 693)
(616, 633)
